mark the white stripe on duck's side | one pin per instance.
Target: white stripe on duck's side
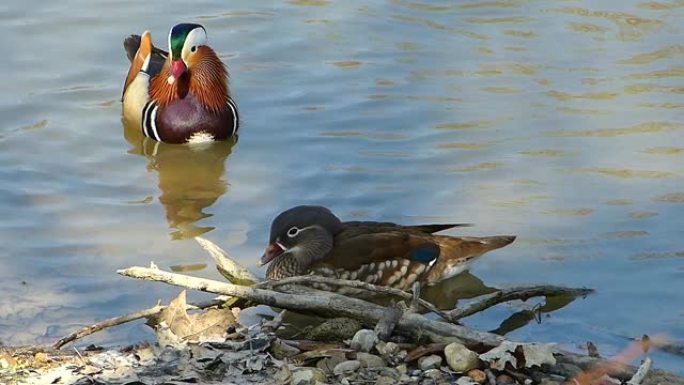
(149, 121)
(233, 108)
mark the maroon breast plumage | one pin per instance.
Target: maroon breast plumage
(182, 95)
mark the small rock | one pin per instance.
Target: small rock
(328, 364)
(429, 362)
(364, 340)
(434, 374)
(334, 329)
(504, 379)
(402, 369)
(346, 367)
(465, 380)
(416, 373)
(307, 376)
(370, 360)
(460, 358)
(388, 372)
(384, 380)
(478, 376)
(387, 348)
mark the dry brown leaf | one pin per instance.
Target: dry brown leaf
(175, 317)
(174, 325)
(501, 355)
(534, 354)
(211, 324)
(537, 354)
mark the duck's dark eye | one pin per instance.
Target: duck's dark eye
(193, 48)
(292, 232)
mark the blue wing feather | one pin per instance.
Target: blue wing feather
(425, 253)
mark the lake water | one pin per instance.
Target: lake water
(559, 121)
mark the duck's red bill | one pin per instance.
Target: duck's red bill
(273, 250)
(178, 68)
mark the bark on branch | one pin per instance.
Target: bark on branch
(382, 290)
(516, 293)
(325, 304)
(227, 266)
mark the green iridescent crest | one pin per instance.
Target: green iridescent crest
(177, 38)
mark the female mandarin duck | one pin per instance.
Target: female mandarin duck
(182, 96)
(311, 239)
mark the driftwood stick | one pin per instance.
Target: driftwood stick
(520, 293)
(383, 290)
(145, 313)
(641, 373)
(323, 303)
(227, 266)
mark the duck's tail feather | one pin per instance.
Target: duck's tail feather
(438, 227)
(457, 253)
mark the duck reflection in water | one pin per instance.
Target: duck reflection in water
(191, 178)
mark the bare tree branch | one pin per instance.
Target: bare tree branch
(516, 293)
(227, 266)
(323, 303)
(376, 289)
(641, 373)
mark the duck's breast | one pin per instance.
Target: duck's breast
(186, 120)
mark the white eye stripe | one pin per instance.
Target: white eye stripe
(195, 38)
(294, 230)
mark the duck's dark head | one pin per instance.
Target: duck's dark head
(303, 232)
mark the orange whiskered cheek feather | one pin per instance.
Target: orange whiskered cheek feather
(208, 79)
(196, 58)
(163, 92)
(205, 79)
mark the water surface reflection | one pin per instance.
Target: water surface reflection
(558, 121)
(191, 178)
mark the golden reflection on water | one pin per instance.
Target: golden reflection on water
(446, 294)
(641, 128)
(191, 178)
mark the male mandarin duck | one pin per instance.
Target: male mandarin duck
(182, 96)
(311, 239)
